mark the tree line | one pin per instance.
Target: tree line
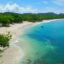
(9, 18)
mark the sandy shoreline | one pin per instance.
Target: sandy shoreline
(13, 53)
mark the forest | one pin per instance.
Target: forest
(8, 18)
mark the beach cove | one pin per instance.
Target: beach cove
(21, 33)
(14, 52)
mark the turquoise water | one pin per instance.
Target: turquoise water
(44, 43)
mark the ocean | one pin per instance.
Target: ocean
(43, 43)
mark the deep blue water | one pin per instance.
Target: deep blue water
(44, 43)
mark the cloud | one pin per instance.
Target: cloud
(29, 9)
(16, 8)
(59, 2)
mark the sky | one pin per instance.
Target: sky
(32, 6)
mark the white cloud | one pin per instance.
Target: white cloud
(29, 9)
(59, 2)
(16, 8)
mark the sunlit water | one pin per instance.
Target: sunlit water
(43, 43)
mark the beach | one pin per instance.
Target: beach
(12, 54)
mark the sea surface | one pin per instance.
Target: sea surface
(43, 43)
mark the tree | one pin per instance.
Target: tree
(4, 20)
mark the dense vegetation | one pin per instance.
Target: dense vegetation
(4, 40)
(9, 18)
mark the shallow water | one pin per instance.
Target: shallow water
(44, 43)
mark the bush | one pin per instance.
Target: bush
(4, 40)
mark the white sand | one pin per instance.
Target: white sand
(13, 53)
